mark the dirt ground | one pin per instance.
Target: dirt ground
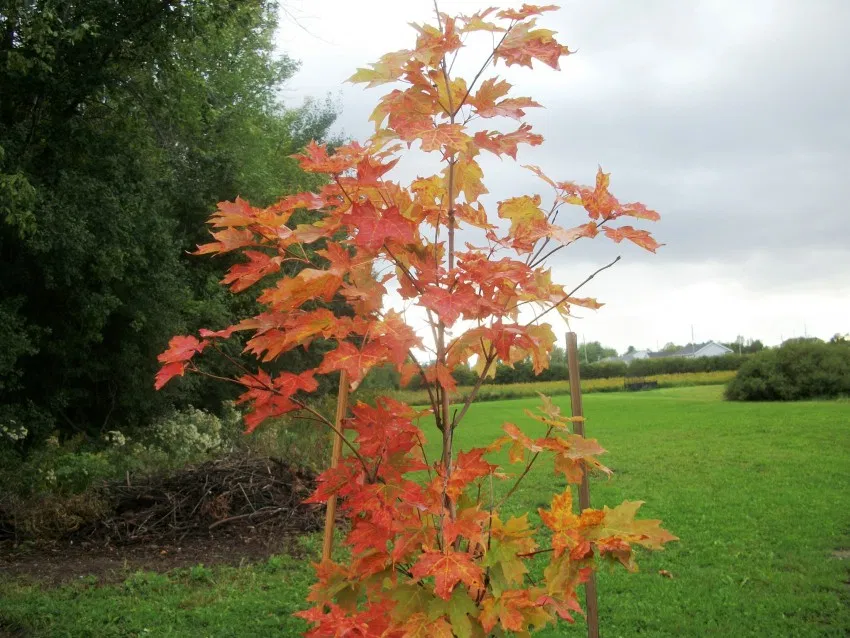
(61, 562)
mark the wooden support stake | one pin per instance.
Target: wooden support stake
(591, 597)
(330, 512)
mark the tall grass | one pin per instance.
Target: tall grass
(555, 388)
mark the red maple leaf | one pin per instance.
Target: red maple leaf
(182, 349)
(370, 171)
(241, 276)
(375, 227)
(439, 373)
(449, 304)
(272, 397)
(168, 372)
(355, 362)
(468, 467)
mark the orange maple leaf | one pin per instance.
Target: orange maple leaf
(508, 610)
(568, 530)
(470, 523)
(507, 143)
(236, 213)
(272, 397)
(467, 176)
(527, 10)
(227, 240)
(640, 237)
(433, 138)
(315, 158)
(389, 68)
(310, 283)
(520, 442)
(370, 171)
(439, 373)
(448, 569)
(421, 626)
(476, 22)
(490, 90)
(573, 454)
(524, 44)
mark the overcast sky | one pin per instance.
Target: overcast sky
(732, 119)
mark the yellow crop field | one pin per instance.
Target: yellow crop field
(554, 388)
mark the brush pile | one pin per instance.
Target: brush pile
(218, 497)
(233, 496)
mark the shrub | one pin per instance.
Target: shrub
(187, 435)
(802, 369)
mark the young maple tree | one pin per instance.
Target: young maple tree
(430, 552)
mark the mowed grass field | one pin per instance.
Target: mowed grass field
(758, 493)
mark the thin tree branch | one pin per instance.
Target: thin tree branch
(557, 248)
(535, 553)
(573, 291)
(486, 64)
(524, 472)
(491, 357)
(301, 404)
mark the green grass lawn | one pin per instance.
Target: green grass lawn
(758, 493)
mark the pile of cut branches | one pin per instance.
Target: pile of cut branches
(221, 496)
(233, 495)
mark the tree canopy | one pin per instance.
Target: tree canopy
(122, 124)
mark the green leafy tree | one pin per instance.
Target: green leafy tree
(121, 125)
(594, 351)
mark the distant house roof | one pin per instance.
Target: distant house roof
(629, 357)
(663, 354)
(687, 351)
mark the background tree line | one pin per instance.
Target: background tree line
(122, 124)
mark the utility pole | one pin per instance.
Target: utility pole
(693, 343)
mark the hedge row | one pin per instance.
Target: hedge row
(556, 388)
(522, 372)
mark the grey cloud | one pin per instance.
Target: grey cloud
(729, 118)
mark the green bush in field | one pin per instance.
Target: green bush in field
(799, 369)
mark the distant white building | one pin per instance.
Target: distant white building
(696, 350)
(690, 351)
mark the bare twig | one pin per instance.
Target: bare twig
(573, 291)
(524, 472)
